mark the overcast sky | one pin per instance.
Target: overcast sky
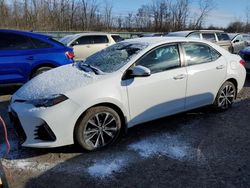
(226, 11)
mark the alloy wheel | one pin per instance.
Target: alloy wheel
(226, 96)
(100, 130)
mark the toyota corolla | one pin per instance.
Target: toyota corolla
(92, 102)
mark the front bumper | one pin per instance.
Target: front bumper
(44, 127)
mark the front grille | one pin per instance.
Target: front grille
(43, 132)
(17, 126)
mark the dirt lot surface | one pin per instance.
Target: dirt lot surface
(200, 148)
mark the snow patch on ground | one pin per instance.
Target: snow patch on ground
(105, 168)
(28, 165)
(164, 144)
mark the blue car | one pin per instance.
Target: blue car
(23, 55)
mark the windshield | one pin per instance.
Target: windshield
(114, 57)
(65, 40)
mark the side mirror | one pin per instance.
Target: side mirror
(74, 43)
(137, 71)
(236, 41)
(140, 71)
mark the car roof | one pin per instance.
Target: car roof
(187, 32)
(91, 33)
(153, 41)
(27, 33)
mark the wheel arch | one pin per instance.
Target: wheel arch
(38, 66)
(235, 83)
(105, 104)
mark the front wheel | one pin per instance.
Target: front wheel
(225, 96)
(100, 126)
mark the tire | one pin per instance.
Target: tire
(225, 97)
(99, 127)
(40, 71)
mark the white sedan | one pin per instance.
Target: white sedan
(91, 103)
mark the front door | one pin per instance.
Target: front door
(163, 92)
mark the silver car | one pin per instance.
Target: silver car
(238, 42)
(216, 36)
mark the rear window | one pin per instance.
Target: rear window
(56, 41)
(65, 40)
(117, 38)
(222, 36)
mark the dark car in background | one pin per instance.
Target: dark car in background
(246, 38)
(238, 42)
(245, 55)
(24, 55)
(216, 36)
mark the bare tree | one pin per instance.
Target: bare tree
(180, 12)
(247, 26)
(108, 6)
(4, 13)
(205, 7)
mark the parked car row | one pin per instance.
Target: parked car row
(233, 42)
(128, 83)
(116, 85)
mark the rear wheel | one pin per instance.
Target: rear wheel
(40, 71)
(99, 127)
(225, 96)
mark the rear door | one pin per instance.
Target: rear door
(15, 58)
(206, 70)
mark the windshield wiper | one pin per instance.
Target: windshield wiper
(94, 69)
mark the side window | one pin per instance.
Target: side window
(209, 36)
(10, 41)
(222, 36)
(199, 53)
(40, 44)
(194, 35)
(100, 39)
(161, 59)
(84, 40)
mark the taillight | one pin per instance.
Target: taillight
(69, 55)
(243, 62)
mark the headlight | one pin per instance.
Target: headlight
(47, 102)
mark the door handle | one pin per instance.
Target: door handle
(220, 67)
(88, 46)
(179, 77)
(30, 58)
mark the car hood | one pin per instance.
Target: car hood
(56, 81)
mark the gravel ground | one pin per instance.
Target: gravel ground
(200, 148)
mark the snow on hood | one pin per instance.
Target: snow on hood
(55, 81)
